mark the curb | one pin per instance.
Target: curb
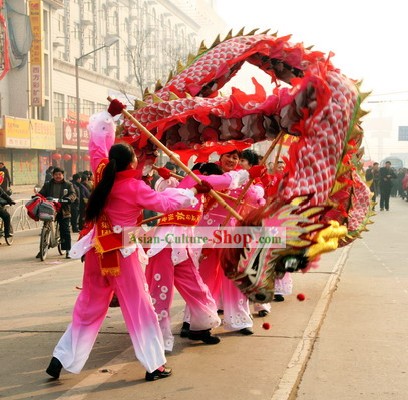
(289, 383)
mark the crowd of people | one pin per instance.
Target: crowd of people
(143, 279)
(386, 182)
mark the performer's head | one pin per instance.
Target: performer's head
(210, 168)
(229, 161)
(121, 157)
(248, 159)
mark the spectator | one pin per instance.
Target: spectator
(76, 181)
(55, 188)
(387, 175)
(372, 176)
(4, 214)
(5, 180)
(48, 174)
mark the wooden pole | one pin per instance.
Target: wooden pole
(179, 177)
(249, 183)
(178, 162)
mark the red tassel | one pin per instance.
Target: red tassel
(115, 107)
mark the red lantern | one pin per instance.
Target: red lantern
(56, 156)
(67, 157)
(86, 157)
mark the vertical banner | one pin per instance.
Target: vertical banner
(37, 54)
(4, 44)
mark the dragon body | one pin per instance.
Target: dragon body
(323, 202)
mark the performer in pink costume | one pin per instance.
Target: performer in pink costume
(237, 315)
(176, 264)
(117, 202)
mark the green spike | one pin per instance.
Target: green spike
(217, 41)
(139, 104)
(170, 76)
(190, 58)
(202, 49)
(241, 32)
(229, 35)
(173, 96)
(158, 85)
(156, 99)
(180, 66)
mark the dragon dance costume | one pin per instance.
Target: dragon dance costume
(128, 197)
(176, 264)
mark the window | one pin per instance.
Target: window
(87, 107)
(59, 110)
(71, 103)
(403, 133)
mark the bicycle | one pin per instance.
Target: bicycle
(9, 240)
(50, 234)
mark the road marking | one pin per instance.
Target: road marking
(288, 385)
(34, 273)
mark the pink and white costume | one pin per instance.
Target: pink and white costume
(129, 196)
(176, 265)
(237, 313)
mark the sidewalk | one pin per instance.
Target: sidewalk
(361, 349)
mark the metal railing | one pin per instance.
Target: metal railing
(19, 217)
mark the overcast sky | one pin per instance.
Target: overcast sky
(368, 37)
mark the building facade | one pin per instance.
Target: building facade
(68, 56)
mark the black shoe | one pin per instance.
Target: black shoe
(263, 313)
(9, 235)
(246, 331)
(67, 255)
(205, 336)
(185, 329)
(381, 209)
(278, 298)
(54, 369)
(38, 255)
(157, 374)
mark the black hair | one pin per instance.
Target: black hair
(210, 169)
(120, 156)
(250, 156)
(75, 177)
(197, 166)
(58, 169)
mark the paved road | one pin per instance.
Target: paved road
(347, 340)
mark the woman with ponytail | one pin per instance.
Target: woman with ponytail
(112, 265)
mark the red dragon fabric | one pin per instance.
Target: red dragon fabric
(322, 201)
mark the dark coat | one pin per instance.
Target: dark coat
(5, 198)
(54, 189)
(386, 177)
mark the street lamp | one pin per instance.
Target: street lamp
(109, 41)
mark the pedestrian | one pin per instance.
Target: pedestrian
(59, 188)
(5, 179)
(112, 265)
(76, 179)
(372, 176)
(48, 174)
(387, 175)
(4, 214)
